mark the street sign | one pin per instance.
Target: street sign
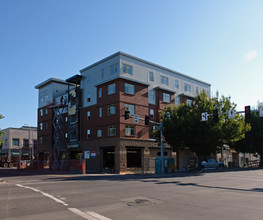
(87, 154)
(204, 116)
(260, 111)
(231, 114)
(136, 119)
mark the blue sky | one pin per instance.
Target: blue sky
(216, 41)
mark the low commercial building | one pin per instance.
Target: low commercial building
(19, 143)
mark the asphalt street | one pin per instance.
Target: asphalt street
(218, 195)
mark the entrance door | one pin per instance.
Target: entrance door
(109, 158)
(133, 157)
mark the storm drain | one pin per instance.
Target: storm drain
(141, 201)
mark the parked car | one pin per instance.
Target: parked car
(211, 164)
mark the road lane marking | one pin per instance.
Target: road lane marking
(82, 214)
(44, 194)
(98, 216)
(88, 215)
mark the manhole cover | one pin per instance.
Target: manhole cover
(140, 202)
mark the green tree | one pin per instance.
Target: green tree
(253, 142)
(186, 130)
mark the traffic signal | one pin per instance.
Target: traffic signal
(147, 119)
(215, 115)
(126, 115)
(247, 113)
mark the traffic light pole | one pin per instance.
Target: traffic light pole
(161, 136)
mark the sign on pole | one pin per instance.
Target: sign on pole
(260, 111)
(204, 116)
(231, 114)
(87, 154)
(136, 119)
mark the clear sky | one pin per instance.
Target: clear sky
(216, 41)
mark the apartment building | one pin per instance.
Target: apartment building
(19, 142)
(84, 114)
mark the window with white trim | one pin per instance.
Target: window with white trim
(187, 87)
(129, 88)
(151, 96)
(166, 97)
(131, 108)
(130, 130)
(112, 130)
(127, 69)
(176, 84)
(164, 80)
(151, 76)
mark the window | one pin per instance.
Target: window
(66, 135)
(66, 119)
(129, 88)
(41, 112)
(40, 140)
(46, 125)
(197, 91)
(189, 102)
(111, 88)
(166, 97)
(112, 130)
(41, 126)
(100, 112)
(152, 96)
(89, 98)
(152, 113)
(164, 80)
(151, 76)
(88, 134)
(113, 69)
(43, 96)
(177, 100)
(176, 84)
(130, 108)
(111, 109)
(88, 115)
(102, 73)
(99, 132)
(73, 136)
(73, 119)
(127, 69)
(15, 142)
(100, 92)
(46, 111)
(25, 143)
(130, 130)
(187, 87)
